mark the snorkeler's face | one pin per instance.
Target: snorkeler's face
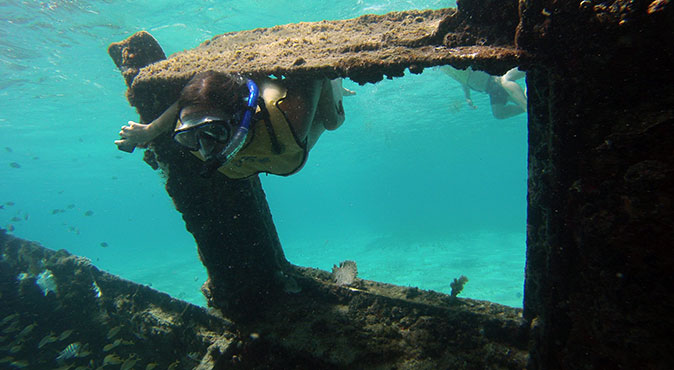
(209, 145)
(203, 131)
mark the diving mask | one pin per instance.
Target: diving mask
(194, 131)
(239, 136)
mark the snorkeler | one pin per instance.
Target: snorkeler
(243, 127)
(506, 96)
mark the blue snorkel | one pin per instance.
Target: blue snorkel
(239, 137)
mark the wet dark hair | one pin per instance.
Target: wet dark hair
(215, 89)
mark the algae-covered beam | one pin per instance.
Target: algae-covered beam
(229, 219)
(601, 183)
(364, 49)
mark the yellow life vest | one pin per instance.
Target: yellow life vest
(260, 153)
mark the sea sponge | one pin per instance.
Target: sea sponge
(345, 274)
(457, 285)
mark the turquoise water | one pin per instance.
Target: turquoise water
(415, 187)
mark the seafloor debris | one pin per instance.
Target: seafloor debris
(345, 274)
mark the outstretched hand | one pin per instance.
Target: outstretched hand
(470, 104)
(134, 134)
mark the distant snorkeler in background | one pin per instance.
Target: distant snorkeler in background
(506, 96)
(241, 129)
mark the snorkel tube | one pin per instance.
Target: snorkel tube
(239, 137)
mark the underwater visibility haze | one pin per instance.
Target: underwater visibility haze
(416, 187)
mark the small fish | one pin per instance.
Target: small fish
(15, 219)
(71, 350)
(56, 211)
(112, 345)
(104, 244)
(96, 289)
(151, 366)
(89, 213)
(112, 359)
(113, 332)
(12, 328)
(657, 5)
(10, 228)
(10, 203)
(27, 330)
(20, 364)
(25, 217)
(194, 356)
(14, 165)
(174, 365)
(70, 206)
(6, 359)
(128, 364)
(65, 334)
(2, 206)
(16, 348)
(8, 149)
(49, 338)
(9, 318)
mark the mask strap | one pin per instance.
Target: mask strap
(239, 137)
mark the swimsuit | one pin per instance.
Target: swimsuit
(272, 145)
(497, 94)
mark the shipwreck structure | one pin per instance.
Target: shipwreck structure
(600, 209)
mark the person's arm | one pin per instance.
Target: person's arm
(460, 76)
(135, 133)
(466, 93)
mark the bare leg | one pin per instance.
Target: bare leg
(514, 90)
(503, 111)
(329, 111)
